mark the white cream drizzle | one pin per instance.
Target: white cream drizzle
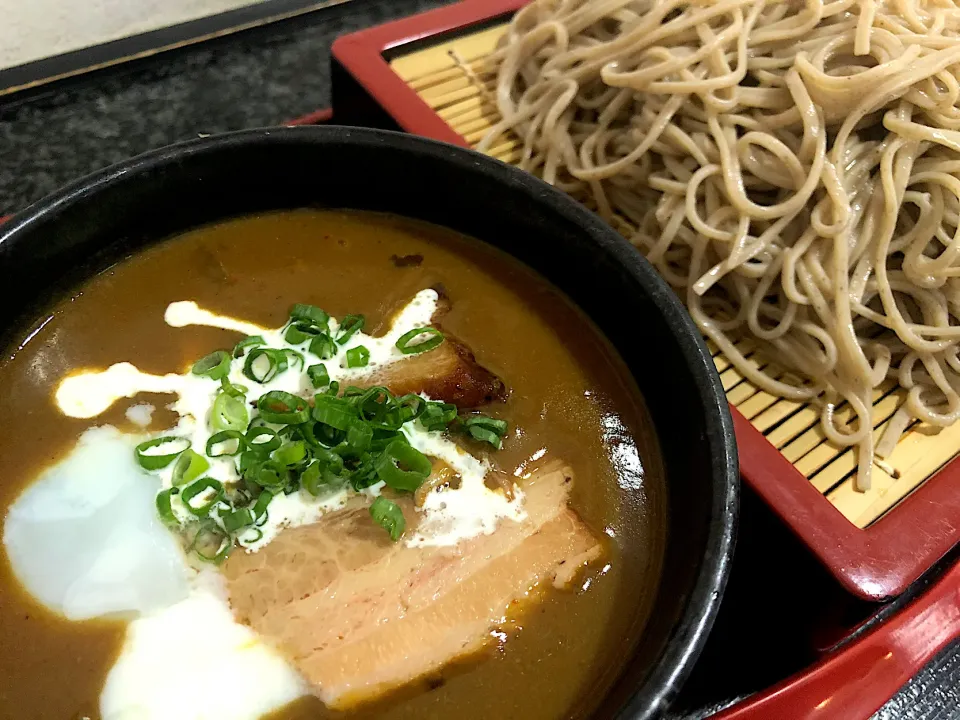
(187, 312)
(449, 516)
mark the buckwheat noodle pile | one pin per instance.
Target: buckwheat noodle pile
(791, 168)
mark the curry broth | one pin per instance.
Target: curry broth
(570, 395)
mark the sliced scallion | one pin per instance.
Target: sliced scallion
(333, 411)
(264, 364)
(291, 453)
(283, 408)
(272, 474)
(225, 443)
(156, 454)
(229, 412)
(164, 507)
(437, 416)
(237, 391)
(388, 515)
(214, 366)
(419, 340)
(310, 314)
(237, 519)
(293, 357)
(250, 342)
(262, 439)
(256, 537)
(211, 542)
(486, 429)
(351, 325)
(298, 333)
(260, 506)
(201, 487)
(358, 356)
(189, 466)
(411, 406)
(323, 346)
(359, 436)
(403, 467)
(319, 377)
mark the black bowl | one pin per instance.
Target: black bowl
(81, 229)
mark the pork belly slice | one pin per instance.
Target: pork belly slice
(449, 373)
(358, 615)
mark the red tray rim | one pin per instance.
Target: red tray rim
(874, 563)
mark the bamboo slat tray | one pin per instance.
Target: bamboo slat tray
(429, 73)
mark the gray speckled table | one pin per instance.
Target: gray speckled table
(258, 78)
(274, 74)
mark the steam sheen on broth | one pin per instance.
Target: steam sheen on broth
(570, 405)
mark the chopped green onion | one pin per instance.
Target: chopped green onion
(352, 391)
(264, 364)
(403, 467)
(248, 464)
(229, 412)
(237, 519)
(486, 429)
(167, 449)
(309, 314)
(201, 486)
(284, 408)
(211, 543)
(319, 377)
(272, 474)
(291, 453)
(322, 474)
(293, 356)
(333, 411)
(365, 473)
(389, 516)
(350, 326)
(164, 508)
(214, 366)
(411, 406)
(255, 439)
(260, 506)
(359, 436)
(189, 466)
(419, 340)
(328, 472)
(298, 333)
(219, 443)
(382, 438)
(249, 342)
(437, 416)
(358, 356)
(256, 538)
(323, 346)
(311, 478)
(380, 408)
(237, 391)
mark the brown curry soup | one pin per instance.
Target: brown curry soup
(569, 393)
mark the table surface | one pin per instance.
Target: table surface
(273, 74)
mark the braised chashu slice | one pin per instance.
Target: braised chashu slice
(358, 614)
(449, 373)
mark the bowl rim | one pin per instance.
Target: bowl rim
(672, 667)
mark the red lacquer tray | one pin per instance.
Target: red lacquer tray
(855, 681)
(875, 562)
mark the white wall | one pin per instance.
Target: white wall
(34, 29)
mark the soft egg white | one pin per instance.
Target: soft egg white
(85, 541)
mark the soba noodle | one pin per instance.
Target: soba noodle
(791, 168)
